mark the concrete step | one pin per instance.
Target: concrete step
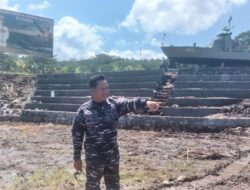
(53, 107)
(231, 93)
(106, 74)
(195, 102)
(213, 84)
(213, 77)
(42, 116)
(9, 117)
(190, 124)
(62, 100)
(118, 79)
(130, 85)
(146, 122)
(216, 70)
(113, 92)
(191, 111)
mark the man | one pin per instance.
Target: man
(97, 120)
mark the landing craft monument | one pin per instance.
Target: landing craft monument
(223, 51)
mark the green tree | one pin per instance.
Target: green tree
(245, 38)
(99, 63)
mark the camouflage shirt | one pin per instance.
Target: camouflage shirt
(98, 123)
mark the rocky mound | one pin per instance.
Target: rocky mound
(15, 91)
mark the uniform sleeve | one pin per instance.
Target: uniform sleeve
(78, 129)
(125, 106)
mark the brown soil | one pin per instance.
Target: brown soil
(39, 157)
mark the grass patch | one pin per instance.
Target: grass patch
(140, 170)
(56, 179)
(135, 173)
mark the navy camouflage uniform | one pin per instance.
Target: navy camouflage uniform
(98, 122)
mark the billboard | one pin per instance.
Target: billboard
(25, 34)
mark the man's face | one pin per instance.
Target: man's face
(101, 92)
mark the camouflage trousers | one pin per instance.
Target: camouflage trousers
(107, 168)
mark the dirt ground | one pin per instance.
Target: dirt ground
(39, 157)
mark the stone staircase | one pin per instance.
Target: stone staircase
(203, 92)
(196, 101)
(193, 97)
(58, 96)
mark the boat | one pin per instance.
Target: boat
(224, 51)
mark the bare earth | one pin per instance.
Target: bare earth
(34, 156)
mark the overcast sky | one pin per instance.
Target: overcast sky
(133, 28)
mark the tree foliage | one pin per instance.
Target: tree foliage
(245, 38)
(99, 63)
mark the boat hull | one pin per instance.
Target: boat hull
(206, 56)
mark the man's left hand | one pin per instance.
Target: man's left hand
(153, 106)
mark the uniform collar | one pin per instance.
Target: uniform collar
(98, 104)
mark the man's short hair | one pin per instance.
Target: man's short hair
(94, 80)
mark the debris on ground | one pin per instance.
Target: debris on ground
(15, 91)
(241, 109)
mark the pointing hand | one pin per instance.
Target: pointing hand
(153, 106)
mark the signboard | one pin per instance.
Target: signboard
(25, 34)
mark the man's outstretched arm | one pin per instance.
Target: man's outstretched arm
(125, 106)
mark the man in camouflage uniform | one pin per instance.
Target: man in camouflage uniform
(97, 120)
